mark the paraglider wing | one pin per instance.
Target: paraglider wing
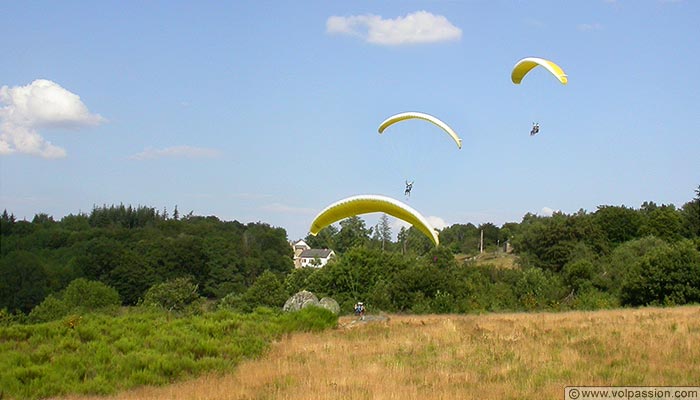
(364, 204)
(427, 117)
(526, 64)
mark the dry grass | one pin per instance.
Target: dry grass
(496, 356)
(497, 259)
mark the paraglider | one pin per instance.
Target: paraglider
(419, 115)
(364, 204)
(409, 187)
(535, 129)
(525, 65)
(426, 117)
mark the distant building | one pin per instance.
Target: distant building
(299, 247)
(316, 258)
(305, 256)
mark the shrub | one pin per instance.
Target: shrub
(52, 308)
(176, 295)
(80, 296)
(90, 295)
(667, 275)
(267, 291)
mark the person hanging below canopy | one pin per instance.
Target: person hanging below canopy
(535, 129)
(409, 187)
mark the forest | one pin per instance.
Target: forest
(117, 255)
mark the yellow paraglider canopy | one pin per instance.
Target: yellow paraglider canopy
(524, 66)
(363, 204)
(419, 115)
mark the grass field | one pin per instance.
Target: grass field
(494, 356)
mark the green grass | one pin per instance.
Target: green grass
(103, 354)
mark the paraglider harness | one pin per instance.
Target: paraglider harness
(409, 186)
(535, 129)
(360, 310)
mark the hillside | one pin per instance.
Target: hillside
(494, 356)
(497, 259)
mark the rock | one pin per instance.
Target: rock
(300, 300)
(330, 304)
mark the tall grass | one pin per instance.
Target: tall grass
(495, 356)
(99, 354)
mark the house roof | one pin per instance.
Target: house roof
(316, 253)
(301, 244)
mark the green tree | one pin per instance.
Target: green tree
(666, 275)
(661, 221)
(619, 224)
(690, 213)
(491, 234)
(537, 289)
(98, 257)
(131, 277)
(23, 281)
(7, 221)
(297, 280)
(267, 291)
(382, 232)
(353, 233)
(461, 238)
(324, 240)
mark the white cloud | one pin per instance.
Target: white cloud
(437, 222)
(418, 27)
(590, 27)
(547, 212)
(41, 104)
(176, 152)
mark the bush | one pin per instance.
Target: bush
(593, 299)
(80, 296)
(537, 289)
(176, 295)
(667, 275)
(90, 295)
(267, 291)
(52, 308)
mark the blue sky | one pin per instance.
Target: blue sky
(268, 110)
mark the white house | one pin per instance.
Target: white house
(299, 247)
(316, 258)
(305, 256)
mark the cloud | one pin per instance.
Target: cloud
(436, 222)
(41, 104)
(176, 152)
(418, 27)
(548, 212)
(589, 27)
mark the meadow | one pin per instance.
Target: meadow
(489, 356)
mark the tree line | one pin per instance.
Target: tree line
(615, 256)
